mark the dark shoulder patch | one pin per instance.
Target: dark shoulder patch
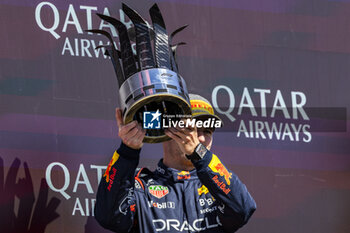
(143, 172)
(142, 175)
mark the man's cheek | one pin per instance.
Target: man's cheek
(209, 145)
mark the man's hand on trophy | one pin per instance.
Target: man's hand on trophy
(132, 133)
(186, 138)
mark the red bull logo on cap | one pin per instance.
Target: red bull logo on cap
(111, 163)
(216, 166)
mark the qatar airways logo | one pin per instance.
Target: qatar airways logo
(59, 21)
(64, 181)
(257, 113)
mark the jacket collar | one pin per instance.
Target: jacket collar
(175, 175)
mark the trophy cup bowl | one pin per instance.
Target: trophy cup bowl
(152, 90)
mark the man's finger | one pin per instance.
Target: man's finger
(140, 135)
(119, 117)
(129, 130)
(184, 130)
(132, 133)
(181, 134)
(141, 129)
(173, 136)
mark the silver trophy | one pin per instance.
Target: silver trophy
(148, 80)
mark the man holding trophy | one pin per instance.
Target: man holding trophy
(191, 190)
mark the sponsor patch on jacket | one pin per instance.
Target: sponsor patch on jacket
(111, 163)
(111, 178)
(183, 175)
(203, 190)
(161, 205)
(158, 191)
(216, 166)
(221, 184)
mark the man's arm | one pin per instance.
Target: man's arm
(115, 200)
(225, 186)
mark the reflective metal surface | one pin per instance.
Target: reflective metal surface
(152, 90)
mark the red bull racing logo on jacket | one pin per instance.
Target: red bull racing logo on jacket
(158, 191)
(203, 190)
(111, 163)
(183, 175)
(216, 166)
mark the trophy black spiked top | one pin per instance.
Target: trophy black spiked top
(148, 80)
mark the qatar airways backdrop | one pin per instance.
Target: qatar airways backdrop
(277, 72)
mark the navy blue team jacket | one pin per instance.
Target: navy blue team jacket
(209, 198)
